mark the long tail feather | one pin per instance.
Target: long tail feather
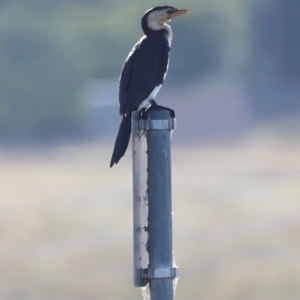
(122, 140)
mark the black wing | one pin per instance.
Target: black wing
(144, 69)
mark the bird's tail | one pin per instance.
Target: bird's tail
(122, 140)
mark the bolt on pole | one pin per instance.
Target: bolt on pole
(152, 213)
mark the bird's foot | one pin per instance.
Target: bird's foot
(155, 106)
(172, 112)
(143, 113)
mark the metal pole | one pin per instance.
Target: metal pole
(160, 207)
(156, 198)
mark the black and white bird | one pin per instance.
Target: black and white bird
(144, 71)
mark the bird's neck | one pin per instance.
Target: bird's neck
(164, 28)
(169, 34)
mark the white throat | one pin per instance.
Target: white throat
(156, 26)
(170, 33)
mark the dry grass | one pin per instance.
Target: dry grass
(65, 222)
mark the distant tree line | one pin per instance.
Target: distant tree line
(275, 57)
(48, 49)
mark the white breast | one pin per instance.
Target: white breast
(146, 102)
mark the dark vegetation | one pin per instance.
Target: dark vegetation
(49, 49)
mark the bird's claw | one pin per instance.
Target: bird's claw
(143, 113)
(155, 106)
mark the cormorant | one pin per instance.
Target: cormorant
(144, 71)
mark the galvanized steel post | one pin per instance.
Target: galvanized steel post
(153, 247)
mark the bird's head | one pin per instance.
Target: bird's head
(156, 17)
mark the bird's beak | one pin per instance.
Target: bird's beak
(177, 12)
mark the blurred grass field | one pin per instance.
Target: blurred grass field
(66, 227)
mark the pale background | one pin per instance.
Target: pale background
(66, 218)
